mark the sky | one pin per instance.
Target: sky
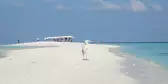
(104, 20)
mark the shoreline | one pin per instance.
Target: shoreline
(127, 55)
(145, 71)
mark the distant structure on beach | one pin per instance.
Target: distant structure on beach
(60, 38)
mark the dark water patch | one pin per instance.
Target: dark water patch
(5, 49)
(3, 53)
(163, 54)
(23, 47)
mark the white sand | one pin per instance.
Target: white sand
(62, 65)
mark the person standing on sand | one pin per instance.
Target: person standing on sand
(18, 41)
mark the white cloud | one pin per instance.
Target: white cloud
(108, 5)
(137, 5)
(103, 5)
(57, 5)
(132, 5)
(156, 7)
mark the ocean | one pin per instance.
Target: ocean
(155, 52)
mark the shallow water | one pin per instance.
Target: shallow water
(144, 71)
(156, 52)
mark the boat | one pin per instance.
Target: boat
(60, 38)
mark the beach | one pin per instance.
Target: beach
(63, 64)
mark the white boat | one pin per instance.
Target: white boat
(60, 38)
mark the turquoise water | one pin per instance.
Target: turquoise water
(156, 52)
